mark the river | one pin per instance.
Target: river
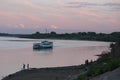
(14, 52)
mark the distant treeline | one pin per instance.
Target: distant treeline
(115, 36)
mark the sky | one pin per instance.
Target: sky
(29, 16)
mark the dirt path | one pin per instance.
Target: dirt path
(111, 75)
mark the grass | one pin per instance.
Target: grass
(100, 67)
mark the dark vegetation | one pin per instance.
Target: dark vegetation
(113, 37)
(107, 61)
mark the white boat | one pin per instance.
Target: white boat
(43, 45)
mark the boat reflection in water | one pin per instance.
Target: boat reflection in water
(41, 51)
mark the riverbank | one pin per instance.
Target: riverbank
(70, 72)
(56, 73)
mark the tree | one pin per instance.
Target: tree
(37, 33)
(53, 33)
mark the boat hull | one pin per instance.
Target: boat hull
(42, 47)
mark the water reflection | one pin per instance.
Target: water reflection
(48, 51)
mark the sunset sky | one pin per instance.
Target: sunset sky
(28, 16)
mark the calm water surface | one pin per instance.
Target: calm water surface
(16, 51)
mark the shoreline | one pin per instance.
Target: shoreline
(54, 73)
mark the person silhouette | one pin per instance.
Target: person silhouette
(27, 66)
(23, 66)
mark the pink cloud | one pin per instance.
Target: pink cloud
(82, 3)
(89, 13)
(8, 15)
(21, 25)
(11, 19)
(31, 4)
(54, 26)
(31, 17)
(114, 21)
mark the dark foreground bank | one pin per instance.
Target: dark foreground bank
(58, 73)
